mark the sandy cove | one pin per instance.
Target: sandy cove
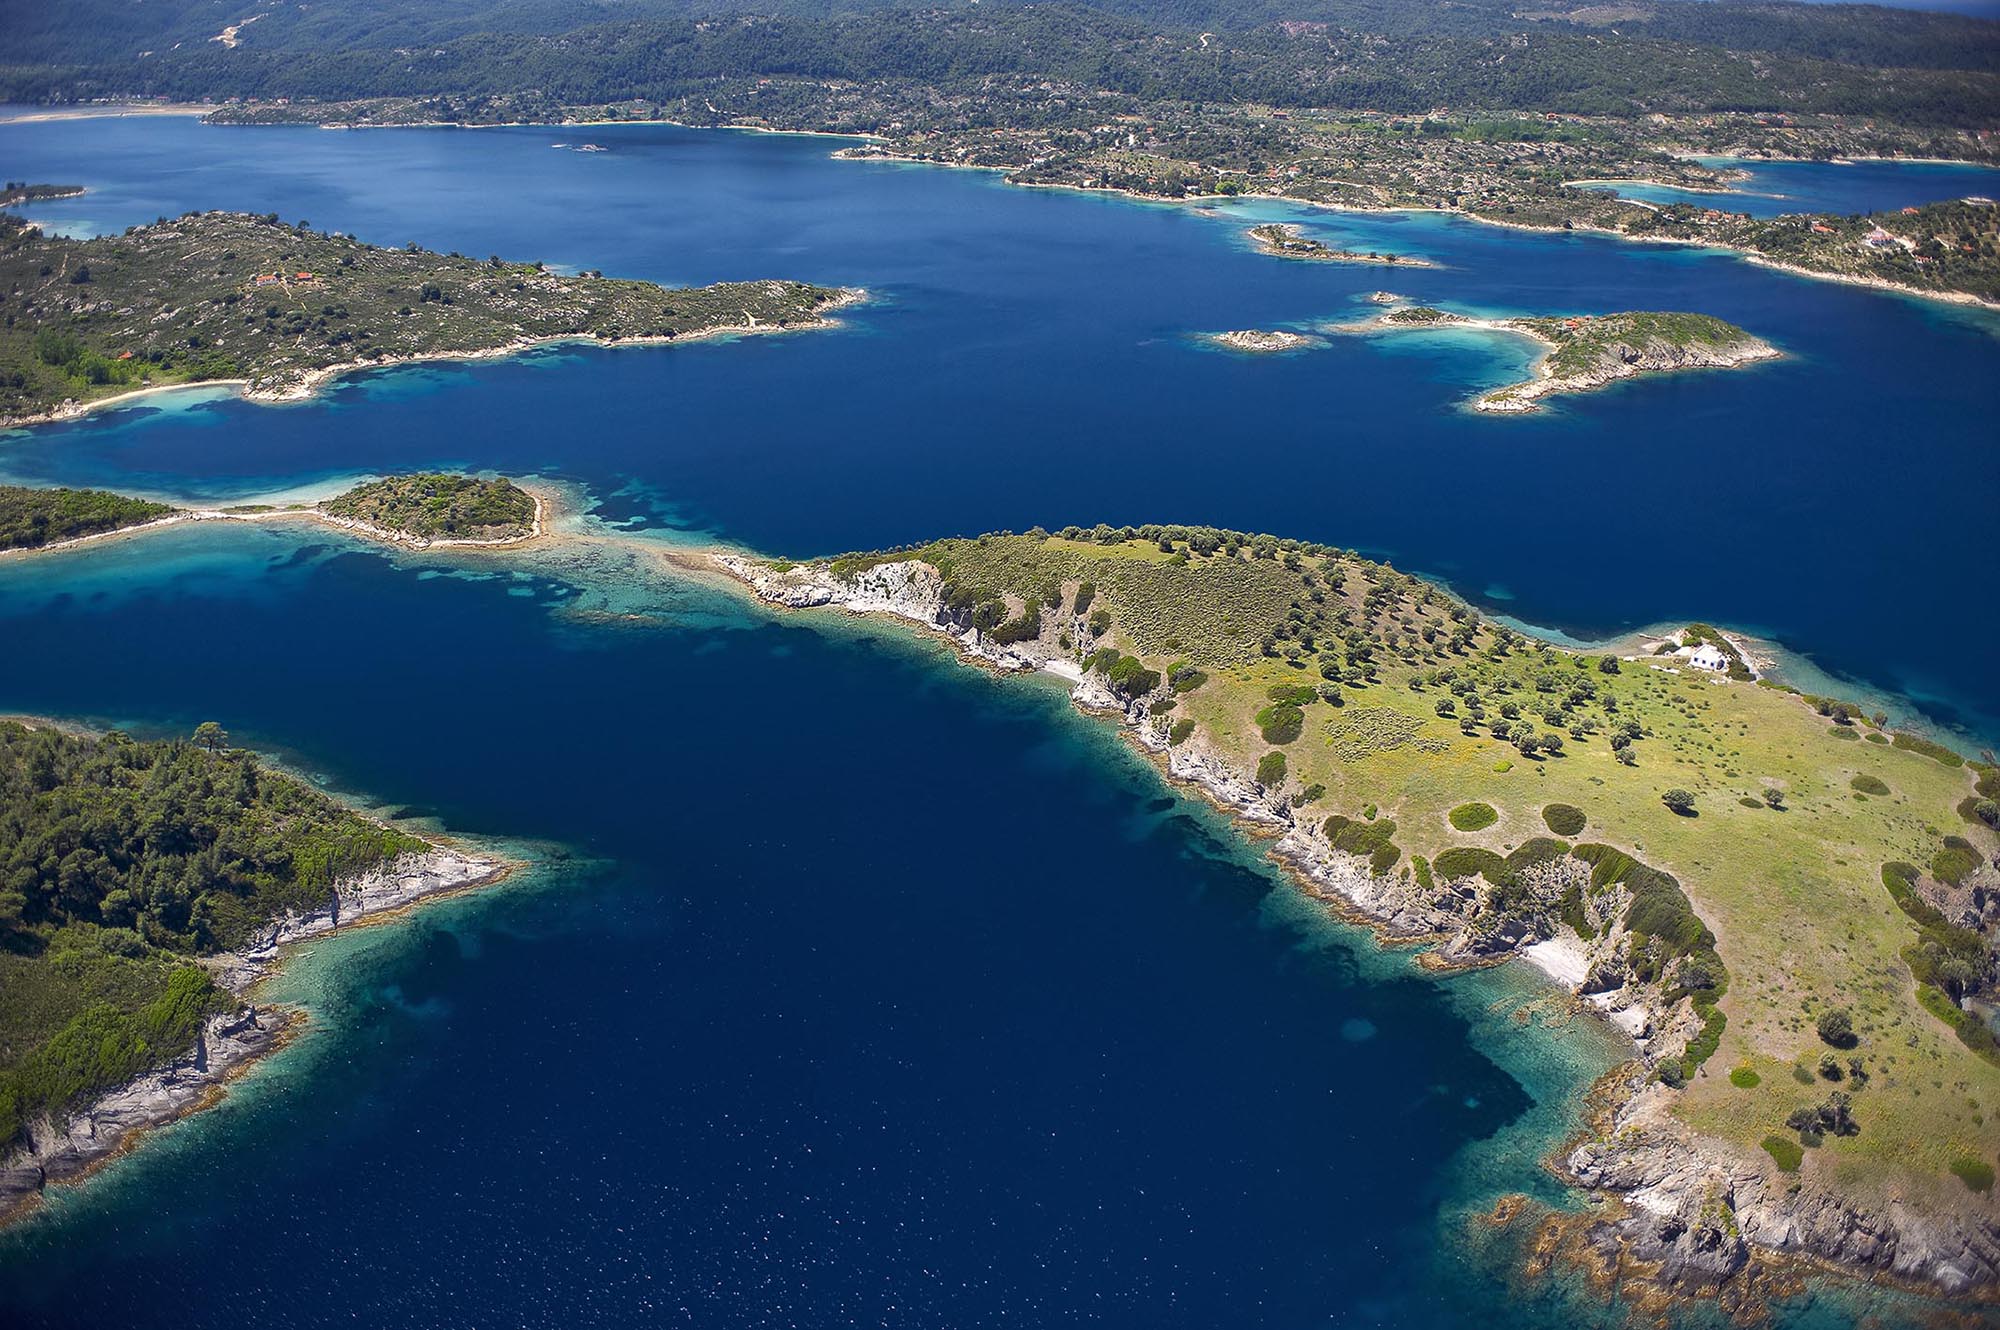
(301, 385)
(228, 1044)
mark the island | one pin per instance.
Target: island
(1778, 901)
(280, 309)
(1288, 242)
(144, 887)
(435, 507)
(1263, 341)
(1587, 351)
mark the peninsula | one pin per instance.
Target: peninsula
(1288, 242)
(144, 888)
(229, 297)
(1587, 351)
(1785, 906)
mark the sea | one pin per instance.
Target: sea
(847, 985)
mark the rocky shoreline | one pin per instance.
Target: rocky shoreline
(1261, 341)
(1690, 1215)
(229, 1042)
(1627, 354)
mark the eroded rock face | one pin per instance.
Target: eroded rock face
(57, 1150)
(60, 1150)
(1697, 1211)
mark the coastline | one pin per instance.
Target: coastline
(229, 1044)
(1526, 396)
(890, 155)
(307, 384)
(1689, 1216)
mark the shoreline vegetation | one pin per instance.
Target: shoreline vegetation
(1582, 353)
(1442, 837)
(134, 1004)
(281, 311)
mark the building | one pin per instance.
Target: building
(1708, 656)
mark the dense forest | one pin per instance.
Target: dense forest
(119, 861)
(1914, 67)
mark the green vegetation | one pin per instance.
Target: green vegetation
(228, 296)
(120, 860)
(1563, 819)
(1786, 1151)
(1745, 1078)
(1271, 769)
(1867, 784)
(1937, 752)
(1473, 817)
(438, 506)
(1281, 723)
(31, 518)
(1370, 839)
(1975, 1173)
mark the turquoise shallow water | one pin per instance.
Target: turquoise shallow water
(853, 986)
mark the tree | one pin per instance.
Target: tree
(1680, 801)
(1836, 1027)
(1774, 797)
(211, 736)
(1608, 664)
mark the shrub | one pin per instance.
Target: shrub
(1745, 1078)
(1787, 1152)
(1473, 817)
(1369, 838)
(1974, 1173)
(1836, 1027)
(1867, 784)
(1471, 861)
(1956, 861)
(1564, 819)
(1183, 730)
(1680, 801)
(1271, 768)
(1281, 723)
(1935, 751)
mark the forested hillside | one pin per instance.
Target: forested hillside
(1665, 55)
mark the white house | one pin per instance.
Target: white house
(1708, 657)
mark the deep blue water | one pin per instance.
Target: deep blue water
(853, 986)
(1031, 360)
(865, 990)
(1862, 186)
